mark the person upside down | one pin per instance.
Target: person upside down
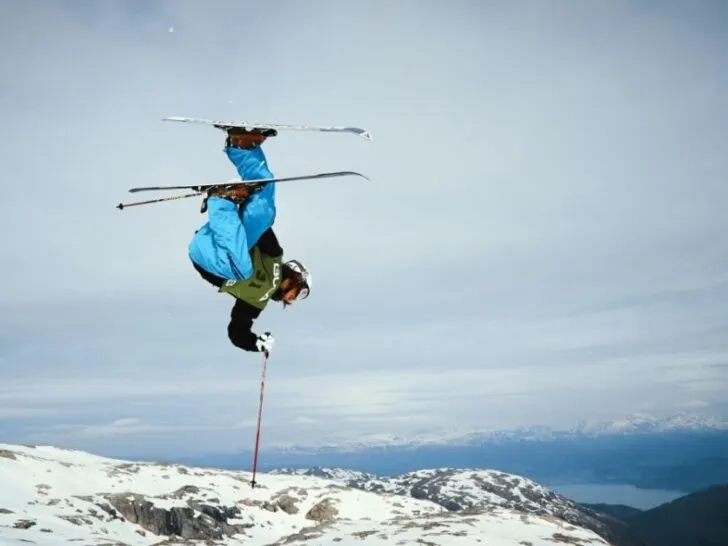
(237, 251)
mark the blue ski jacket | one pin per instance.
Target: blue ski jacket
(222, 245)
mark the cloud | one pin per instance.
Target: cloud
(542, 239)
(303, 420)
(120, 427)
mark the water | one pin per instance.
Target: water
(629, 495)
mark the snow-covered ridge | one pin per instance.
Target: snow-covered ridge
(51, 496)
(344, 475)
(468, 489)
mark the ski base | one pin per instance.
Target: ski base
(251, 125)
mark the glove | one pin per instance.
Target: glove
(265, 343)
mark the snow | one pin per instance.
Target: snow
(60, 491)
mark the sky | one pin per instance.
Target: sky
(542, 241)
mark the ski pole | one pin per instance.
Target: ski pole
(260, 414)
(122, 206)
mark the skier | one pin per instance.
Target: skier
(237, 250)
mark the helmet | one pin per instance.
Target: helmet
(305, 276)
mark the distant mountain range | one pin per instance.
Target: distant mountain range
(646, 424)
(638, 424)
(680, 453)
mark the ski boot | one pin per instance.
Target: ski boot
(241, 137)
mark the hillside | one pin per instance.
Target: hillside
(619, 511)
(697, 519)
(468, 489)
(50, 496)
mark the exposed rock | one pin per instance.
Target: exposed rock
(559, 537)
(218, 513)
(109, 510)
(7, 454)
(324, 511)
(85, 498)
(306, 534)
(23, 524)
(6, 511)
(287, 504)
(194, 522)
(186, 490)
(299, 491)
(77, 520)
(128, 467)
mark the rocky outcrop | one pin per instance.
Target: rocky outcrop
(195, 521)
(323, 512)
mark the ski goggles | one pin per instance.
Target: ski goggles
(302, 293)
(303, 289)
(302, 278)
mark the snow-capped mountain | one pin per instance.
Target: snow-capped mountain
(472, 489)
(51, 496)
(343, 475)
(634, 424)
(641, 423)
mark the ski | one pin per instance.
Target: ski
(258, 181)
(250, 125)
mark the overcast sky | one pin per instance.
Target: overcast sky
(543, 240)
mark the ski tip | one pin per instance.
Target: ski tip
(365, 177)
(348, 173)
